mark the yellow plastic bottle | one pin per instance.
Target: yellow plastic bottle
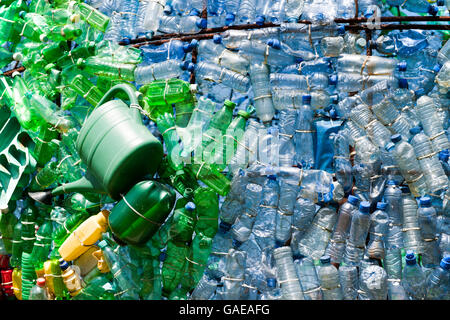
(49, 277)
(83, 237)
(17, 283)
(86, 262)
(101, 263)
(71, 278)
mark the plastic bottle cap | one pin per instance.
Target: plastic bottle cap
(361, 42)
(425, 202)
(162, 256)
(445, 263)
(396, 138)
(243, 114)
(22, 14)
(126, 41)
(433, 10)
(184, 65)
(306, 99)
(271, 282)
(229, 19)
(333, 80)
(274, 43)
(202, 23)
(217, 38)
(236, 243)
(388, 147)
(334, 99)
(168, 9)
(75, 18)
(341, 30)
(381, 206)
(229, 104)
(444, 155)
(40, 282)
(272, 177)
(419, 92)
(392, 183)
(410, 258)
(415, 130)
(17, 56)
(193, 87)
(405, 189)
(403, 83)
(63, 264)
(437, 67)
(190, 206)
(224, 227)
(102, 244)
(368, 13)
(325, 259)
(194, 12)
(364, 207)
(43, 38)
(260, 20)
(402, 66)
(353, 200)
(279, 244)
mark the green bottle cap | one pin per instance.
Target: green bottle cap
(102, 244)
(243, 114)
(229, 104)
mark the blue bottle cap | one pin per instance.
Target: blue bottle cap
(333, 79)
(126, 41)
(392, 183)
(195, 12)
(425, 202)
(236, 243)
(202, 23)
(341, 30)
(333, 113)
(292, 20)
(224, 227)
(334, 99)
(168, 9)
(190, 206)
(410, 258)
(445, 263)
(437, 67)
(388, 147)
(162, 256)
(272, 177)
(433, 10)
(325, 259)
(279, 244)
(396, 138)
(190, 66)
(405, 189)
(298, 59)
(440, 3)
(229, 19)
(415, 130)
(306, 99)
(364, 207)
(368, 13)
(444, 155)
(353, 200)
(402, 83)
(260, 20)
(194, 43)
(217, 38)
(381, 206)
(271, 282)
(63, 264)
(419, 92)
(402, 65)
(274, 43)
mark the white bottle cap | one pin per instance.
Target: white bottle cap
(17, 56)
(43, 38)
(75, 18)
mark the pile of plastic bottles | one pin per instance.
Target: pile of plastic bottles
(147, 152)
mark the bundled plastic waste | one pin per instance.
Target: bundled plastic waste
(148, 152)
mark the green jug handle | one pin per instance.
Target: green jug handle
(131, 93)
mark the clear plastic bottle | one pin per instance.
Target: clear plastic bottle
(38, 292)
(287, 275)
(309, 280)
(257, 51)
(368, 65)
(341, 230)
(379, 222)
(259, 77)
(286, 203)
(235, 268)
(396, 290)
(359, 229)
(171, 68)
(181, 24)
(304, 135)
(438, 282)
(420, 6)
(150, 16)
(349, 280)
(354, 82)
(128, 11)
(304, 211)
(316, 81)
(428, 229)
(413, 278)
(204, 289)
(406, 160)
(373, 281)
(329, 280)
(412, 239)
(234, 202)
(208, 71)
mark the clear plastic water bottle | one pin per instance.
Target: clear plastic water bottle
(442, 78)
(316, 238)
(420, 6)
(204, 289)
(406, 160)
(182, 24)
(391, 117)
(354, 82)
(349, 280)
(379, 222)
(341, 230)
(437, 180)
(256, 51)
(234, 202)
(128, 11)
(413, 278)
(329, 280)
(235, 270)
(373, 281)
(317, 81)
(286, 203)
(432, 127)
(393, 263)
(259, 77)
(246, 11)
(304, 135)
(304, 211)
(428, 229)
(412, 239)
(314, 12)
(309, 280)
(359, 229)
(163, 70)
(174, 49)
(287, 275)
(368, 65)
(438, 281)
(396, 290)
(208, 71)
(38, 292)
(149, 16)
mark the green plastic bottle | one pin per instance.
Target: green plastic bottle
(92, 16)
(183, 222)
(85, 88)
(166, 125)
(104, 68)
(17, 246)
(173, 266)
(7, 222)
(47, 176)
(207, 203)
(183, 111)
(78, 203)
(53, 51)
(44, 148)
(196, 263)
(70, 57)
(63, 231)
(6, 57)
(42, 245)
(219, 123)
(209, 175)
(28, 239)
(9, 25)
(66, 32)
(98, 288)
(34, 27)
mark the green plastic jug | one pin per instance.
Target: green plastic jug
(116, 147)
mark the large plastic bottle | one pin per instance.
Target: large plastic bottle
(84, 236)
(428, 229)
(71, 278)
(329, 280)
(259, 77)
(413, 278)
(209, 71)
(304, 134)
(309, 280)
(39, 292)
(438, 281)
(359, 229)
(287, 275)
(379, 221)
(412, 239)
